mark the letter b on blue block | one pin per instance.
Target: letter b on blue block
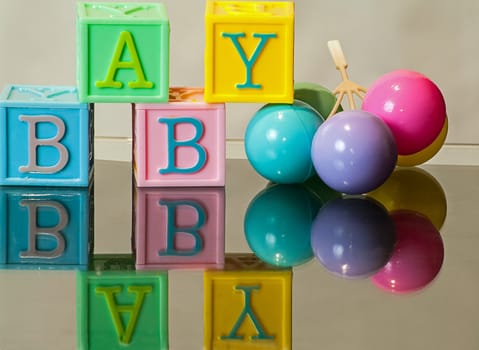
(46, 135)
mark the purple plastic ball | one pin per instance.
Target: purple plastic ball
(354, 152)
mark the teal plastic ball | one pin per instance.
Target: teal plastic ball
(278, 141)
(278, 223)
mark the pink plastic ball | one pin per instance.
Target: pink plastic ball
(411, 105)
(417, 257)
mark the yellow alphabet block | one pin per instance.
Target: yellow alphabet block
(248, 308)
(249, 51)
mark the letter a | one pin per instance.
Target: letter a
(125, 40)
(124, 334)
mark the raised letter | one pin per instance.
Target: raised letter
(54, 232)
(247, 311)
(173, 144)
(173, 229)
(33, 143)
(125, 40)
(248, 63)
(124, 334)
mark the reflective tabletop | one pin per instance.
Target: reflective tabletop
(252, 265)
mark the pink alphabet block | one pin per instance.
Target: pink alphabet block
(179, 228)
(179, 143)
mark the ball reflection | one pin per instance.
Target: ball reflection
(353, 237)
(418, 254)
(278, 223)
(416, 190)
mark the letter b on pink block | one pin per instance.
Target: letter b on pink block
(180, 143)
(172, 125)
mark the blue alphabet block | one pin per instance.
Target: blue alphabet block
(46, 137)
(45, 228)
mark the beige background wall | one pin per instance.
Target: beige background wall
(437, 38)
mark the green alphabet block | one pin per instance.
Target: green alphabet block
(122, 52)
(119, 308)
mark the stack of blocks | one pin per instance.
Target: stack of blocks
(178, 164)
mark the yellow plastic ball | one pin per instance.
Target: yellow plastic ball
(427, 153)
(413, 189)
